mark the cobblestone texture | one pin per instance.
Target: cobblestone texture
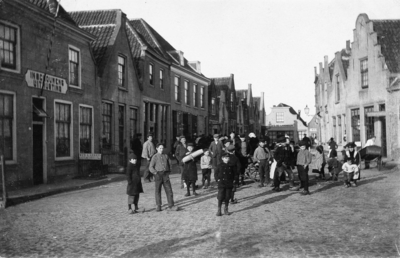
(332, 222)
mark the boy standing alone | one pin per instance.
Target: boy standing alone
(225, 177)
(303, 161)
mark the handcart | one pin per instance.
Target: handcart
(371, 153)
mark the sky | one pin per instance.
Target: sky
(273, 45)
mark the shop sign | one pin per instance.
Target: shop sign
(51, 83)
(90, 156)
(313, 129)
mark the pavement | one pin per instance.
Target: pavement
(333, 221)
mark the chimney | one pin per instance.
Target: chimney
(53, 6)
(348, 46)
(196, 66)
(262, 101)
(321, 71)
(315, 71)
(326, 62)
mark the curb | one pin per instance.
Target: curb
(11, 201)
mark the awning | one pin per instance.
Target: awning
(376, 114)
(39, 111)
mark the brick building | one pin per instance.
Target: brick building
(121, 95)
(153, 68)
(226, 93)
(44, 129)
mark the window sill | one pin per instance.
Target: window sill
(122, 89)
(177, 102)
(5, 69)
(75, 90)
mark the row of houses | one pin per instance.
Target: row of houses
(357, 93)
(74, 84)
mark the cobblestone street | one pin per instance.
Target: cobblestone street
(332, 222)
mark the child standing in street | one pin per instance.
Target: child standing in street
(134, 187)
(303, 161)
(350, 170)
(205, 165)
(225, 177)
(190, 171)
(334, 167)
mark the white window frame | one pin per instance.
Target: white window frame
(151, 74)
(124, 73)
(177, 88)
(186, 88)
(79, 70)
(71, 141)
(162, 79)
(17, 49)
(278, 116)
(14, 132)
(202, 94)
(194, 95)
(92, 130)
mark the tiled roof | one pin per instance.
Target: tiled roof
(102, 24)
(97, 17)
(293, 112)
(156, 42)
(147, 35)
(99, 46)
(61, 12)
(222, 81)
(389, 38)
(136, 41)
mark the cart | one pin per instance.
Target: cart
(371, 153)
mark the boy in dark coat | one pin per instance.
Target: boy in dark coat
(190, 171)
(235, 164)
(225, 177)
(134, 187)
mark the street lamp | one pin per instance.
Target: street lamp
(307, 110)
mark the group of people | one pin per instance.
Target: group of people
(228, 158)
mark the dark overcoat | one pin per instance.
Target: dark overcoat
(134, 181)
(190, 171)
(225, 175)
(216, 153)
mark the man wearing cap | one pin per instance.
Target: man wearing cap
(282, 155)
(225, 176)
(180, 153)
(147, 153)
(161, 168)
(303, 161)
(243, 155)
(262, 156)
(236, 166)
(216, 150)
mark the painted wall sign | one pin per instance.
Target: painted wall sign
(90, 156)
(35, 80)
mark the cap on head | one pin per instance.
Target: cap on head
(225, 155)
(230, 148)
(216, 135)
(302, 143)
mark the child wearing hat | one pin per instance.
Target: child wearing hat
(334, 167)
(350, 170)
(205, 165)
(303, 161)
(225, 177)
(134, 187)
(190, 171)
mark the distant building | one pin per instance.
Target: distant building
(283, 120)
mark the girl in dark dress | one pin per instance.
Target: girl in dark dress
(134, 187)
(190, 171)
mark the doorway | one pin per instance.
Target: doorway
(383, 135)
(37, 154)
(38, 118)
